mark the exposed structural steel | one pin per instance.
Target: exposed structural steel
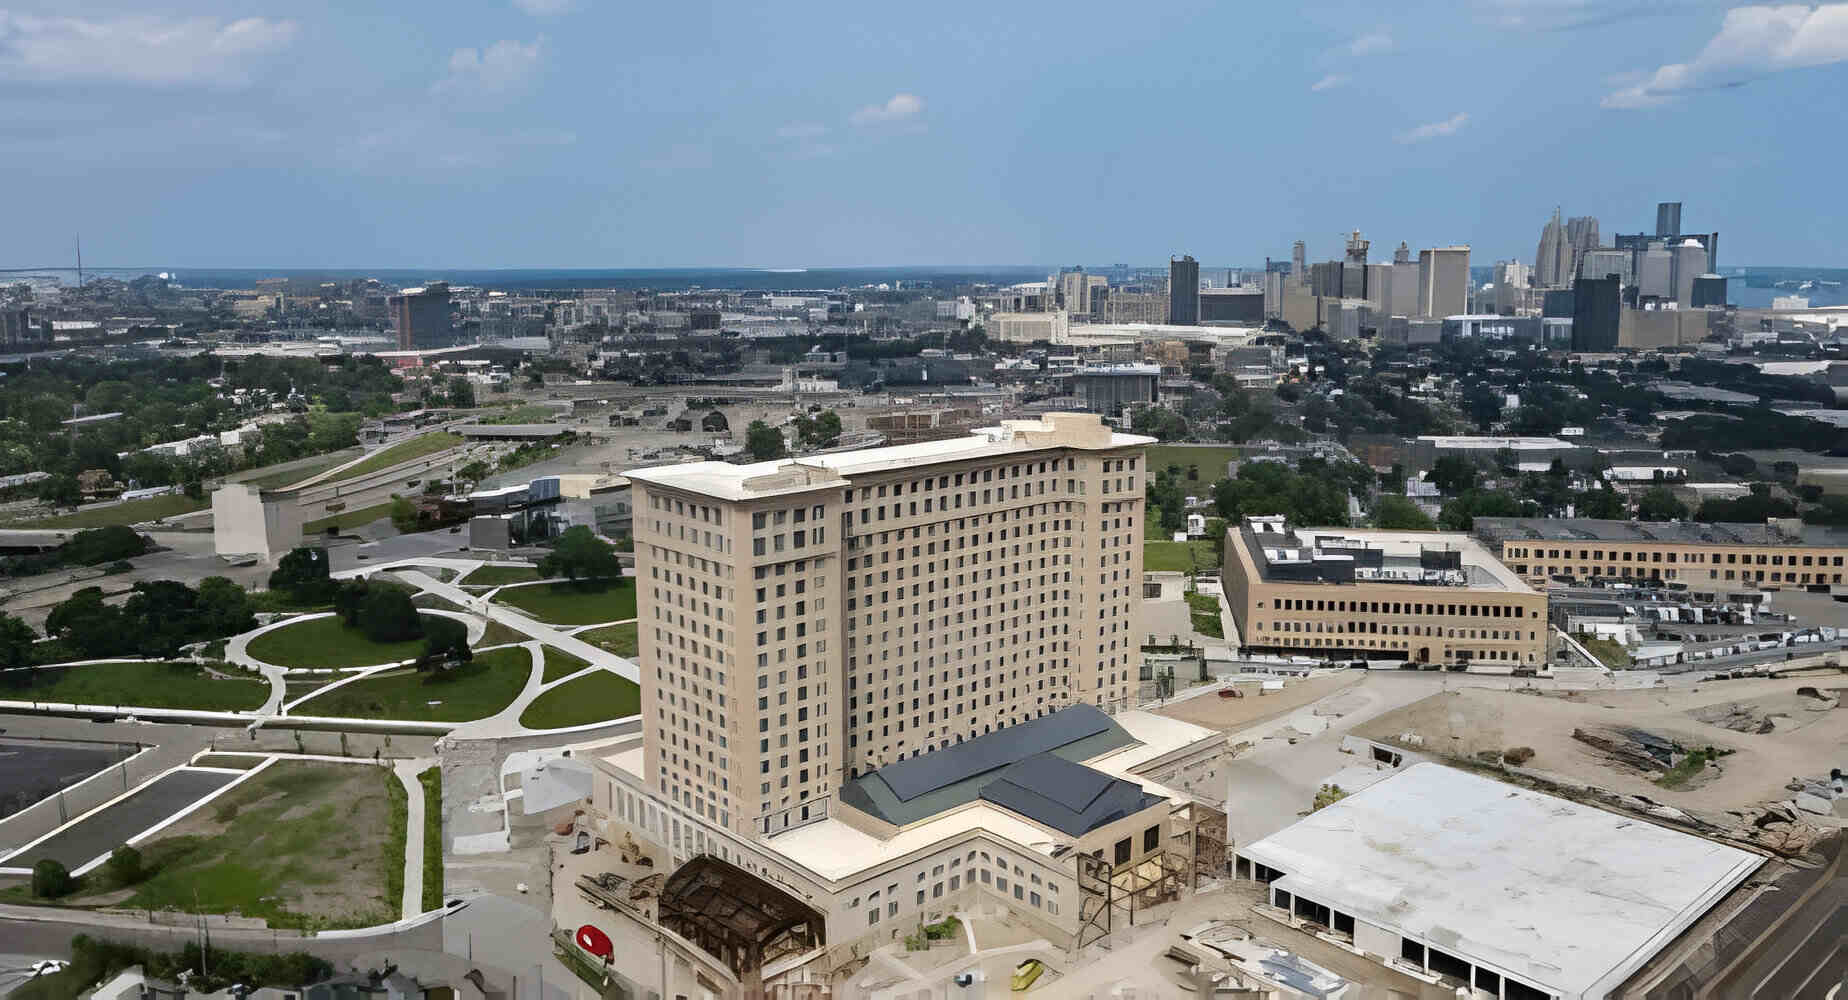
(733, 914)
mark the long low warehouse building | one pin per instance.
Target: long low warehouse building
(1468, 881)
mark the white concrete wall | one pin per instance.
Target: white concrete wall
(244, 523)
(1375, 940)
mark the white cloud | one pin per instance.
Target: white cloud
(1378, 41)
(501, 69)
(1433, 130)
(137, 48)
(546, 8)
(1569, 15)
(1752, 42)
(1329, 82)
(801, 130)
(899, 108)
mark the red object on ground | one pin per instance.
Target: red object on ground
(596, 942)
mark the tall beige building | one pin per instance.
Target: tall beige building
(806, 620)
(1443, 281)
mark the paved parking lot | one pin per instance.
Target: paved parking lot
(105, 830)
(33, 769)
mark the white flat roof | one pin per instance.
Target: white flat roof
(1560, 895)
(1408, 544)
(727, 481)
(1495, 443)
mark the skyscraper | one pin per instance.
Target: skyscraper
(1687, 261)
(1299, 261)
(1596, 306)
(1552, 261)
(778, 660)
(1581, 239)
(420, 316)
(1403, 255)
(1443, 281)
(1357, 249)
(1668, 218)
(1183, 291)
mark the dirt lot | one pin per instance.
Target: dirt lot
(1232, 714)
(1805, 737)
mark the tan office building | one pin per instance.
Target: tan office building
(806, 620)
(1709, 559)
(1417, 596)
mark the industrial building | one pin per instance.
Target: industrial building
(1110, 389)
(1706, 558)
(1418, 597)
(1485, 886)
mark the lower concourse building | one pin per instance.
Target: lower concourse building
(1422, 597)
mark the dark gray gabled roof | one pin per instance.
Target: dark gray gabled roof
(1066, 796)
(923, 786)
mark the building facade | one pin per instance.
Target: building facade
(1706, 558)
(1419, 597)
(420, 316)
(805, 620)
(1443, 281)
(1183, 291)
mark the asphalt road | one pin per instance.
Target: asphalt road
(105, 831)
(30, 770)
(33, 935)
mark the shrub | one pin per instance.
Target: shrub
(125, 866)
(50, 880)
(1517, 755)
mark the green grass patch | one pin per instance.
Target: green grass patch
(526, 413)
(559, 663)
(497, 634)
(403, 451)
(485, 686)
(397, 838)
(326, 642)
(1204, 609)
(1207, 464)
(496, 576)
(1610, 651)
(277, 480)
(596, 697)
(126, 512)
(1690, 767)
(347, 520)
(232, 762)
(307, 845)
(139, 685)
(432, 782)
(570, 604)
(1179, 557)
(623, 640)
(283, 601)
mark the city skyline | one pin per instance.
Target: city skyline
(536, 134)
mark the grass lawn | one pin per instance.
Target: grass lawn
(228, 761)
(348, 519)
(559, 663)
(1614, 655)
(488, 684)
(432, 781)
(1204, 609)
(526, 413)
(1172, 557)
(497, 634)
(495, 576)
(303, 845)
(403, 451)
(1208, 463)
(623, 640)
(277, 480)
(126, 512)
(325, 642)
(567, 604)
(594, 697)
(142, 685)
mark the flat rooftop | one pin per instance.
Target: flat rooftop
(762, 479)
(1585, 529)
(1495, 443)
(1401, 558)
(1561, 895)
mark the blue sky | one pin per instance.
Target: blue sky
(590, 133)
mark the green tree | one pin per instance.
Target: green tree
(16, 640)
(302, 574)
(445, 645)
(403, 515)
(387, 615)
(224, 608)
(50, 879)
(820, 430)
(763, 441)
(1604, 503)
(1829, 509)
(1396, 513)
(1658, 503)
(1460, 514)
(473, 473)
(1452, 475)
(125, 866)
(580, 556)
(92, 628)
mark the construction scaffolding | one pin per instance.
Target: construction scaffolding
(1194, 856)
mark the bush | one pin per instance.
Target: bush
(291, 970)
(50, 880)
(1517, 755)
(125, 866)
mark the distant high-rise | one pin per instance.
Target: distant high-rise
(1299, 261)
(1581, 238)
(1709, 290)
(1668, 218)
(1655, 272)
(1357, 249)
(1597, 305)
(1403, 255)
(1183, 291)
(1443, 281)
(420, 316)
(1552, 261)
(1687, 261)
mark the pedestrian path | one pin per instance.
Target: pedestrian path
(407, 772)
